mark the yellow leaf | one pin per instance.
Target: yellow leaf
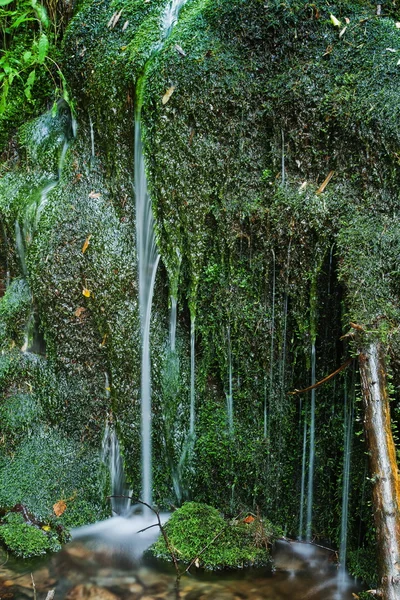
(46, 527)
(168, 94)
(104, 340)
(86, 292)
(86, 244)
(335, 22)
(59, 507)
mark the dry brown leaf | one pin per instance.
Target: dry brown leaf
(168, 94)
(59, 508)
(248, 519)
(86, 244)
(94, 195)
(79, 311)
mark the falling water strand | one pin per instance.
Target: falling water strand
(192, 374)
(303, 477)
(148, 258)
(285, 318)
(111, 456)
(311, 449)
(230, 392)
(265, 409)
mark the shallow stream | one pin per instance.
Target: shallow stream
(103, 563)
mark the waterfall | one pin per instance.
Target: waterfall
(148, 258)
(311, 449)
(111, 456)
(229, 398)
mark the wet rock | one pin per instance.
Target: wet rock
(90, 592)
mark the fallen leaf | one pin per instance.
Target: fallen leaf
(168, 94)
(104, 339)
(398, 25)
(86, 244)
(125, 25)
(335, 22)
(391, 50)
(343, 31)
(347, 20)
(46, 527)
(248, 519)
(86, 292)
(79, 311)
(94, 195)
(59, 508)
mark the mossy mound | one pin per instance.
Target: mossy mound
(25, 539)
(197, 532)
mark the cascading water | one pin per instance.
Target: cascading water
(111, 456)
(311, 460)
(148, 258)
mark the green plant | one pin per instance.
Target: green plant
(26, 540)
(26, 37)
(198, 534)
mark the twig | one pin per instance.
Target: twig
(34, 588)
(146, 528)
(324, 380)
(50, 595)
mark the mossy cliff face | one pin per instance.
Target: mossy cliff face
(267, 99)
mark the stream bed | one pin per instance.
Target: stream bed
(103, 563)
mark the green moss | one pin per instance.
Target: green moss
(26, 540)
(15, 307)
(196, 527)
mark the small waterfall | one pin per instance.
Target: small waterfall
(310, 489)
(111, 456)
(148, 258)
(229, 396)
(348, 433)
(170, 16)
(192, 375)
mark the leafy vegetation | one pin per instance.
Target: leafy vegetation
(198, 534)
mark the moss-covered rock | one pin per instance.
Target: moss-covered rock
(26, 540)
(197, 532)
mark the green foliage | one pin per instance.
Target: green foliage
(15, 306)
(24, 539)
(45, 468)
(227, 544)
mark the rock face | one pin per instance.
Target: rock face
(273, 172)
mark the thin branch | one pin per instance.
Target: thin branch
(324, 380)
